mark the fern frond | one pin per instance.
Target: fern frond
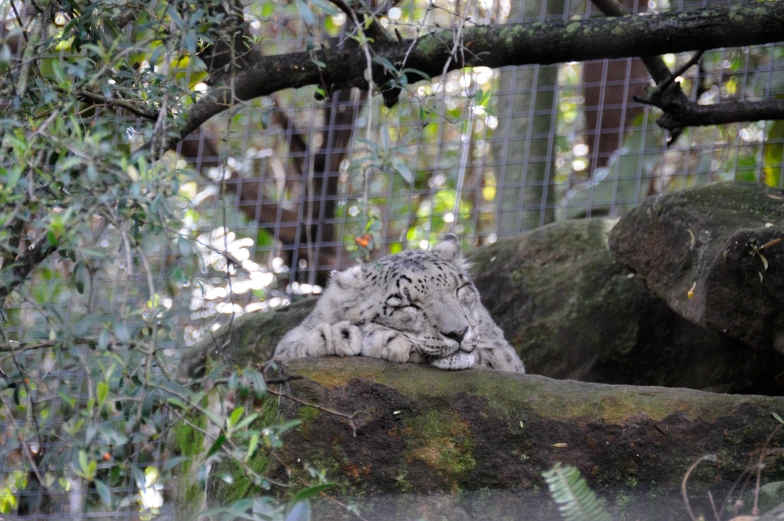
(575, 500)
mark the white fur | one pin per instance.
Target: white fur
(415, 306)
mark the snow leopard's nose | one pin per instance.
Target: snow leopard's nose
(457, 336)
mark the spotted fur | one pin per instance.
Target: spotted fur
(416, 306)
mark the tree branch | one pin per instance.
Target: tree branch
(680, 113)
(24, 264)
(679, 110)
(505, 45)
(130, 106)
(655, 64)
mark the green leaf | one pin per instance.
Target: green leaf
(236, 414)
(246, 421)
(309, 492)
(417, 72)
(305, 12)
(102, 391)
(173, 462)
(385, 62)
(300, 512)
(778, 418)
(58, 73)
(216, 446)
(184, 246)
(259, 383)
(52, 238)
(103, 492)
(83, 462)
(401, 168)
(288, 425)
(103, 339)
(176, 402)
(385, 138)
(575, 500)
(370, 144)
(254, 443)
(121, 332)
(328, 9)
(67, 399)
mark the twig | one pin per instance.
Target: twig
(716, 515)
(680, 71)
(374, 30)
(26, 346)
(25, 447)
(760, 465)
(268, 381)
(114, 102)
(349, 417)
(28, 392)
(747, 470)
(707, 457)
(19, 20)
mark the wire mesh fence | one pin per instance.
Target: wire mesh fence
(276, 192)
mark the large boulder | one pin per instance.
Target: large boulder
(570, 311)
(714, 255)
(409, 440)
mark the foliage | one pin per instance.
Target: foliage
(575, 500)
(96, 248)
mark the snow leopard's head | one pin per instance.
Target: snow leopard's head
(425, 295)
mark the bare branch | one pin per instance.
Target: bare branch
(131, 107)
(681, 112)
(503, 45)
(23, 265)
(655, 64)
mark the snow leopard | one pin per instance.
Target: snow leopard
(416, 306)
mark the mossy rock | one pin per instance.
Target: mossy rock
(416, 432)
(715, 255)
(572, 312)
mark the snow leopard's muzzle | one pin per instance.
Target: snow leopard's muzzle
(457, 349)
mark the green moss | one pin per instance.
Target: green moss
(441, 440)
(188, 441)
(515, 396)
(308, 414)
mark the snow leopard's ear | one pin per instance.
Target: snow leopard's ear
(351, 278)
(449, 247)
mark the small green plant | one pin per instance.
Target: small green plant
(575, 500)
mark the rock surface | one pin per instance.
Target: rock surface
(571, 312)
(424, 433)
(709, 238)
